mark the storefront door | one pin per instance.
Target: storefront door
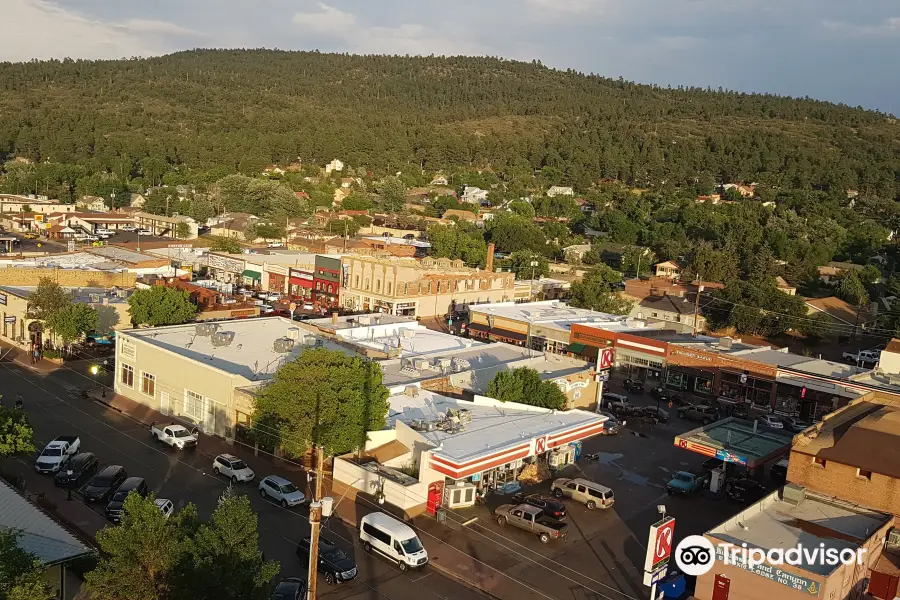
(721, 586)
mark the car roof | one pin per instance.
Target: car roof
(590, 483)
(228, 457)
(276, 479)
(111, 468)
(131, 482)
(387, 522)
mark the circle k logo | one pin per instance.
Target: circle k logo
(695, 555)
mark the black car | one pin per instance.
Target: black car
(744, 490)
(334, 564)
(633, 385)
(136, 485)
(552, 507)
(655, 413)
(104, 483)
(79, 468)
(662, 393)
(291, 588)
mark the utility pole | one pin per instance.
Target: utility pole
(697, 303)
(315, 520)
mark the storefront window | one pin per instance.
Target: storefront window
(675, 379)
(787, 405)
(702, 385)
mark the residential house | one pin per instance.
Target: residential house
(638, 289)
(560, 190)
(668, 269)
(574, 253)
(347, 182)
(845, 318)
(474, 194)
(461, 215)
(675, 310)
(784, 286)
(585, 206)
(301, 195)
(830, 273)
(235, 226)
(137, 200)
(711, 198)
(746, 191)
(439, 180)
(340, 194)
(93, 203)
(272, 170)
(334, 165)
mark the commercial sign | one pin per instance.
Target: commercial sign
(659, 544)
(592, 335)
(38, 218)
(726, 456)
(695, 447)
(10, 320)
(776, 574)
(605, 359)
(2, 298)
(226, 264)
(243, 313)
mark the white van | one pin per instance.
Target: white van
(394, 539)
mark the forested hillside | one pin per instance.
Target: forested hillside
(215, 112)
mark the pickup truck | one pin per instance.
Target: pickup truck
(531, 518)
(686, 483)
(57, 453)
(862, 357)
(176, 436)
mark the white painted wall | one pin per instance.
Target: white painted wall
(405, 497)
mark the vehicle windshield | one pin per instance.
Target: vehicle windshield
(120, 496)
(53, 452)
(412, 545)
(180, 433)
(684, 477)
(238, 465)
(289, 488)
(334, 555)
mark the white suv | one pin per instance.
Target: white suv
(232, 467)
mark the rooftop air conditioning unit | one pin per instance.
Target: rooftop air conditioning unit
(793, 494)
(293, 333)
(893, 538)
(283, 345)
(725, 342)
(222, 338)
(420, 363)
(442, 362)
(408, 333)
(122, 293)
(95, 298)
(411, 390)
(364, 320)
(206, 329)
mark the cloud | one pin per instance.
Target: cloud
(327, 20)
(153, 26)
(885, 28)
(566, 7)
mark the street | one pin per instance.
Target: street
(54, 410)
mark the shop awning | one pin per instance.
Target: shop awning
(478, 327)
(510, 335)
(575, 348)
(252, 274)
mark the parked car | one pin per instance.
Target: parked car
(166, 507)
(280, 490)
(79, 469)
(744, 490)
(86, 237)
(702, 413)
(587, 492)
(531, 518)
(132, 485)
(275, 245)
(770, 421)
(144, 232)
(657, 413)
(794, 424)
(612, 425)
(334, 564)
(128, 228)
(393, 539)
(266, 309)
(104, 232)
(57, 453)
(233, 468)
(633, 385)
(608, 400)
(308, 306)
(686, 482)
(778, 472)
(273, 297)
(552, 508)
(103, 484)
(290, 588)
(174, 436)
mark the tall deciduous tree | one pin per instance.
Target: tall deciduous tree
(595, 292)
(21, 575)
(521, 264)
(16, 435)
(392, 194)
(524, 386)
(73, 321)
(228, 245)
(324, 397)
(48, 298)
(851, 289)
(161, 305)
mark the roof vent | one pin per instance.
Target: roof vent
(293, 333)
(420, 363)
(725, 342)
(411, 390)
(364, 320)
(442, 362)
(408, 333)
(206, 329)
(283, 345)
(793, 494)
(222, 338)
(893, 539)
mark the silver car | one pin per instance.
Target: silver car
(281, 490)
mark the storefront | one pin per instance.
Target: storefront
(810, 397)
(300, 284)
(327, 281)
(585, 342)
(276, 277)
(224, 269)
(691, 380)
(640, 358)
(741, 388)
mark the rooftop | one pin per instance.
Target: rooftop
(121, 254)
(739, 437)
(74, 260)
(85, 294)
(865, 434)
(361, 322)
(816, 521)
(494, 425)
(400, 241)
(250, 354)
(551, 310)
(41, 535)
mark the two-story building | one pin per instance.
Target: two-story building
(327, 281)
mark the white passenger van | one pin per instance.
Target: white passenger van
(394, 539)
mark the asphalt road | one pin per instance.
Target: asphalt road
(186, 477)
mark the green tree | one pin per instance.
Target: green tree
(511, 233)
(182, 231)
(74, 321)
(520, 263)
(228, 245)
(595, 292)
(21, 574)
(392, 195)
(267, 231)
(348, 227)
(161, 305)
(48, 298)
(852, 290)
(524, 386)
(16, 435)
(224, 560)
(356, 201)
(522, 208)
(322, 398)
(461, 241)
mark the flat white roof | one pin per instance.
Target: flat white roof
(400, 241)
(494, 425)
(551, 310)
(75, 260)
(483, 358)
(250, 355)
(774, 523)
(424, 342)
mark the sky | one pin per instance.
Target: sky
(838, 50)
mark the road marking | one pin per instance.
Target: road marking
(422, 577)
